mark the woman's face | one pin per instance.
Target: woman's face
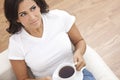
(29, 14)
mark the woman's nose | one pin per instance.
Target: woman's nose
(31, 16)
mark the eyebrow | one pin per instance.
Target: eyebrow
(21, 12)
(25, 11)
(32, 6)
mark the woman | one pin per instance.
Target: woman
(41, 39)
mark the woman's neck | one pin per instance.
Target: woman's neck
(38, 32)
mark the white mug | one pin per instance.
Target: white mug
(67, 71)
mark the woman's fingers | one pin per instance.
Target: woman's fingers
(79, 64)
(46, 78)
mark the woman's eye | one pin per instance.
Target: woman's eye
(33, 8)
(22, 14)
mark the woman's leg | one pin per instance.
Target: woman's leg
(87, 75)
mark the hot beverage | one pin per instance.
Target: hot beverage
(66, 72)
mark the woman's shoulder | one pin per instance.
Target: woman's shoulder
(58, 12)
(15, 38)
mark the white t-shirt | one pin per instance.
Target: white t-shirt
(43, 55)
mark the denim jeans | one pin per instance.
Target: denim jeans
(87, 75)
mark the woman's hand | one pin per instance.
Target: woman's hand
(80, 46)
(46, 78)
(78, 60)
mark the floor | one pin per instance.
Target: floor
(97, 20)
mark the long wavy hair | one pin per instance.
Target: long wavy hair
(11, 13)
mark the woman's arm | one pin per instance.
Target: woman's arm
(80, 46)
(20, 69)
(21, 72)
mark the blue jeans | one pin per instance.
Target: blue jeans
(87, 75)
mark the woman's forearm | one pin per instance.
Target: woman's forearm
(45, 78)
(80, 46)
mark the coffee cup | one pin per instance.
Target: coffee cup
(67, 71)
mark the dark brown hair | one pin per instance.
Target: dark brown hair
(11, 13)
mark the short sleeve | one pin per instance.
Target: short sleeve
(15, 51)
(68, 19)
(63, 20)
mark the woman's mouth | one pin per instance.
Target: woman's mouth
(34, 22)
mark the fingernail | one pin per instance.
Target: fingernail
(75, 63)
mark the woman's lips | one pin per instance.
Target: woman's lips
(34, 22)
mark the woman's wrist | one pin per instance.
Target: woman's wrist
(80, 47)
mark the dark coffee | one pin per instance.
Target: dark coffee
(66, 72)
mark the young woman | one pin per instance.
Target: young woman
(41, 39)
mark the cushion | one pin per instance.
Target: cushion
(97, 66)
